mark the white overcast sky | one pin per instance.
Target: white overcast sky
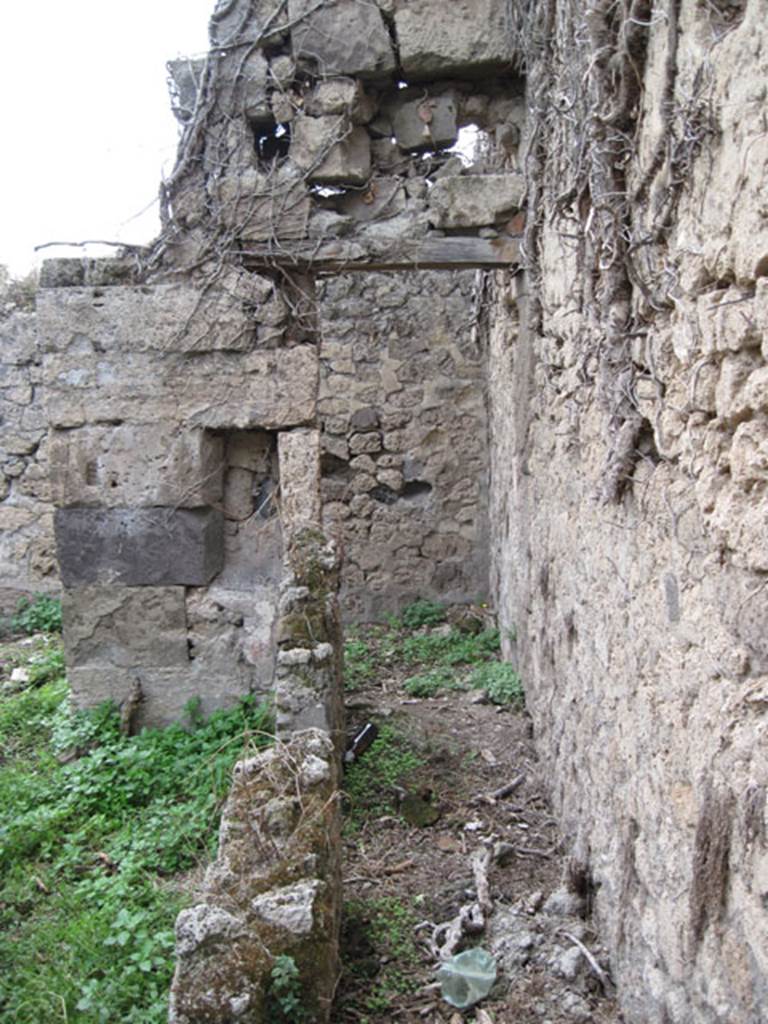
(86, 123)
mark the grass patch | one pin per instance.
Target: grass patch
(358, 664)
(43, 615)
(370, 783)
(387, 959)
(500, 682)
(89, 848)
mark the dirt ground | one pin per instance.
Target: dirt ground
(402, 880)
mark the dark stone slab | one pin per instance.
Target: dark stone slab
(139, 547)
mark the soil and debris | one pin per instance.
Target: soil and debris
(447, 819)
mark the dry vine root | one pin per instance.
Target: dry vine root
(471, 919)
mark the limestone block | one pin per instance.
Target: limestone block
(330, 151)
(299, 458)
(426, 123)
(139, 547)
(88, 322)
(135, 465)
(464, 37)
(272, 389)
(727, 321)
(730, 393)
(261, 207)
(18, 339)
(341, 96)
(125, 626)
(475, 199)
(361, 444)
(252, 81)
(749, 454)
(384, 197)
(247, 21)
(184, 77)
(344, 37)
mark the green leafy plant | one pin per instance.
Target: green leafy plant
(386, 926)
(428, 684)
(423, 613)
(94, 826)
(285, 995)
(358, 664)
(43, 615)
(500, 682)
(370, 782)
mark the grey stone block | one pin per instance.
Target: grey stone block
(344, 37)
(125, 626)
(330, 151)
(426, 123)
(463, 37)
(139, 547)
(474, 200)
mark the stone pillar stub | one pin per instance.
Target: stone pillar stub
(139, 547)
(299, 459)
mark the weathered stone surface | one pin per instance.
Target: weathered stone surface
(264, 207)
(117, 626)
(426, 123)
(270, 389)
(88, 322)
(274, 889)
(136, 465)
(299, 455)
(330, 151)
(139, 547)
(474, 199)
(465, 37)
(342, 38)
(341, 96)
(184, 80)
(247, 21)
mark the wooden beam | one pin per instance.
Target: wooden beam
(434, 252)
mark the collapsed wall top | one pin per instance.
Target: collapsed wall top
(330, 133)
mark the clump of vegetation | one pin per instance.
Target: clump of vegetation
(285, 995)
(500, 682)
(423, 613)
(371, 784)
(358, 664)
(429, 684)
(382, 930)
(16, 293)
(93, 828)
(43, 615)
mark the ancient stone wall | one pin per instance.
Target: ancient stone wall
(178, 459)
(630, 492)
(404, 436)
(27, 548)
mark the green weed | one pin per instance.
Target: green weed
(500, 682)
(428, 684)
(453, 648)
(423, 613)
(43, 615)
(284, 996)
(370, 782)
(86, 918)
(386, 926)
(358, 664)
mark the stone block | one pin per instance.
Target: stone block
(139, 547)
(89, 322)
(272, 389)
(184, 76)
(247, 21)
(426, 123)
(18, 339)
(136, 465)
(125, 626)
(461, 38)
(344, 37)
(261, 207)
(299, 458)
(341, 96)
(330, 151)
(384, 198)
(474, 200)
